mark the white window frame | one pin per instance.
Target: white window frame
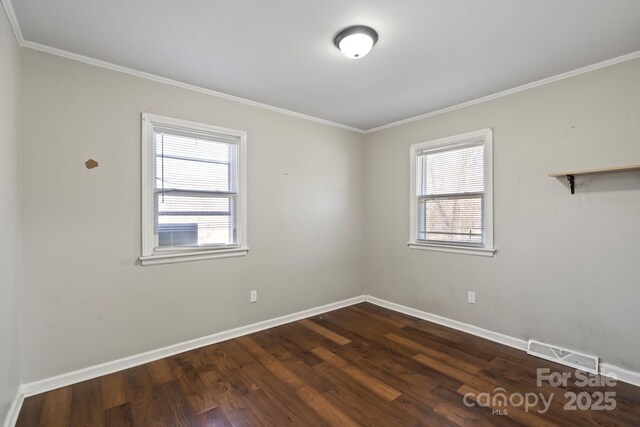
(152, 255)
(457, 141)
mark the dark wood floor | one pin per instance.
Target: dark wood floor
(361, 365)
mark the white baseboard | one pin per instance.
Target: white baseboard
(621, 374)
(450, 323)
(91, 372)
(14, 409)
(606, 369)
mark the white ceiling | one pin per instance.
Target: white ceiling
(431, 53)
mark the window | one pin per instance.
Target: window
(451, 194)
(193, 190)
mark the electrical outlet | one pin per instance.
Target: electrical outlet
(253, 296)
(471, 297)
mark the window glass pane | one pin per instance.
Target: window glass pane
(451, 220)
(454, 171)
(188, 169)
(192, 221)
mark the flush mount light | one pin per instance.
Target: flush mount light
(356, 41)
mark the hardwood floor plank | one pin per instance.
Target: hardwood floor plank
(380, 317)
(286, 398)
(285, 337)
(176, 408)
(30, 411)
(390, 357)
(270, 413)
(435, 354)
(160, 372)
(451, 371)
(214, 418)
(308, 339)
(227, 356)
(86, 405)
(372, 383)
(309, 376)
(405, 375)
(56, 408)
(337, 338)
(425, 415)
(361, 403)
(114, 390)
(270, 362)
(452, 407)
(466, 354)
(417, 324)
(196, 392)
(361, 365)
(323, 408)
(228, 389)
(515, 413)
(118, 416)
(141, 393)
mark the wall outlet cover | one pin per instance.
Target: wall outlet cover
(471, 297)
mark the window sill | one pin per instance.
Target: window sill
(453, 249)
(172, 258)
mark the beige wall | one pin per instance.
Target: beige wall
(566, 272)
(9, 209)
(568, 267)
(86, 299)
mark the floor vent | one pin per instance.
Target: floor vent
(563, 356)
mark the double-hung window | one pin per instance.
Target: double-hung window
(451, 194)
(193, 191)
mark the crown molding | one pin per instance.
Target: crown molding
(114, 67)
(552, 79)
(11, 15)
(149, 76)
(176, 83)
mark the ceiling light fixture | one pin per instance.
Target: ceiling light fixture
(356, 41)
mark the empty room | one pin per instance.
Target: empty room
(319, 213)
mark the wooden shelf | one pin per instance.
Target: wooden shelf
(615, 169)
(571, 175)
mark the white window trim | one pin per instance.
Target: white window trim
(152, 255)
(486, 135)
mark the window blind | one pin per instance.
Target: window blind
(195, 189)
(451, 195)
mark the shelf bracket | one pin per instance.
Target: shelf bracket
(572, 183)
(571, 175)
